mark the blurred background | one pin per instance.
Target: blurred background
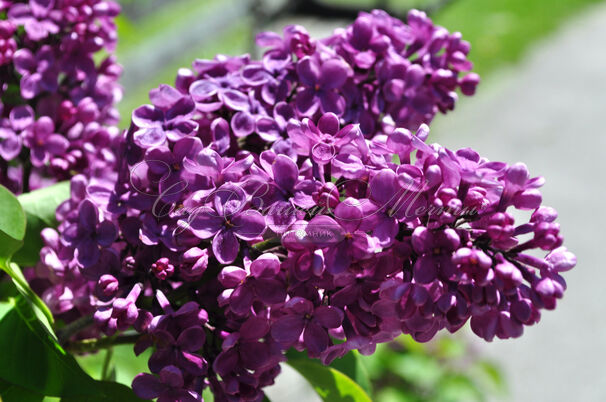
(541, 100)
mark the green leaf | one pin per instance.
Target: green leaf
(330, 384)
(351, 365)
(32, 360)
(5, 308)
(12, 233)
(20, 282)
(39, 207)
(29, 254)
(12, 224)
(44, 202)
(207, 395)
(107, 391)
(13, 393)
(398, 394)
(7, 289)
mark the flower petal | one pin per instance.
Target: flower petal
(226, 247)
(249, 224)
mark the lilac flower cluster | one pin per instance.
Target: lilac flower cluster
(286, 203)
(56, 102)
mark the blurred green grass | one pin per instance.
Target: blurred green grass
(501, 31)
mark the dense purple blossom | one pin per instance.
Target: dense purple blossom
(64, 99)
(254, 211)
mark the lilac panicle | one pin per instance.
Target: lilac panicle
(258, 206)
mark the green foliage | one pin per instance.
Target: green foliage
(13, 393)
(207, 395)
(22, 286)
(33, 364)
(330, 384)
(12, 225)
(7, 289)
(12, 234)
(39, 207)
(351, 365)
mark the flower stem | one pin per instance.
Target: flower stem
(93, 345)
(27, 172)
(106, 371)
(267, 244)
(63, 334)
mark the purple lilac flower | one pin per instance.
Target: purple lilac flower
(11, 138)
(90, 234)
(8, 45)
(324, 141)
(168, 117)
(46, 51)
(302, 318)
(321, 79)
(260, 281)
(227, 222)
(120, 314)
(42, 142)
(177, 337)
(167, 386)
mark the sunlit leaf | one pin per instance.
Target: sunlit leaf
(330, 384)
(351, 365)
(39, 207)
(12, 233)
(32, 360)
(12, 224)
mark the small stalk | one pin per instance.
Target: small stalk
(267, 244)
(63, 334)
(105, 371)
(93, 345)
